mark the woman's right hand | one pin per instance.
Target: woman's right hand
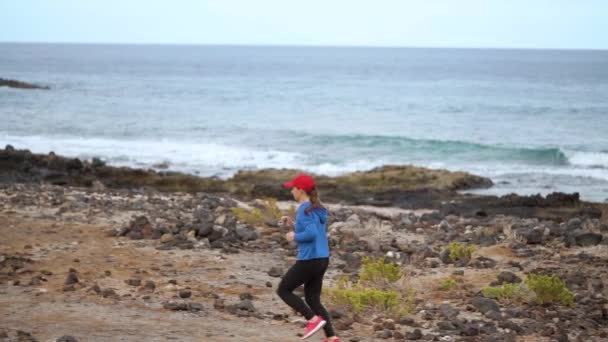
(286, 221)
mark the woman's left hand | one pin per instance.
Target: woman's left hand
(289, 236)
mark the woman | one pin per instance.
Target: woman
(313, 257)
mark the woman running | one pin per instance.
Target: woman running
(312, 260)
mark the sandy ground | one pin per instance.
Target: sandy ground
(48, 312)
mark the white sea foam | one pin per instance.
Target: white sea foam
(204, 158)
(588, 159)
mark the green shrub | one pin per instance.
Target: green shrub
(506, 292)
(375, 291)
(377, 272)
(459, 251)
(543, 289)
(549, 289)
(271, 210)
(268, 213)
(447, 284)
(253, 217)
(360, 299)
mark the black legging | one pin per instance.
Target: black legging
(310, 273)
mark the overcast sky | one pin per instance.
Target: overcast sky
(429, 23)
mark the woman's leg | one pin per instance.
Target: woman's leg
(297, 275)
(312, 294)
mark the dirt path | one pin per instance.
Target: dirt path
(48, 312)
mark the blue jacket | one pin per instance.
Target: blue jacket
(311, 234)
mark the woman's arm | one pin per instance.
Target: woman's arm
(310, 229)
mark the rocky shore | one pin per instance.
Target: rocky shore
(20, 84)
(92, 253)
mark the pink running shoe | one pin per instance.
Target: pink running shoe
(313, 326)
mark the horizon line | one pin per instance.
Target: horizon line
(271, 45)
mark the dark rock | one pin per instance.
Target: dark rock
(353, 262)
(218, 304)
(69, 288)
(109, 293)
(149, 285)
(279, 317)
(204, 229)
(446, 325)
(586, 239)
(135, 235)
(217, 232)
(508, 278)
(493, 315)
(217, 244)
(531, 235)
(20, 85)
(133, 282)
(338, 313)
(511, 325)
(36, 280)
(574, 224)
(246, 234)
(185, 293)
(72, 278)
(448, 311)
(484, 305)
(414, 335)
(203, 215)
(275, 272)
(487, 240)
(176, 306)
(445, 256)
(407, 321)
(246, 296)
(195, 307)
(344, 323)
(398, 335)
(389, 325)
(483, 262)
(433, 218)
(95, 288)
(246, 305)
(470, 329)
(268, 284)
(384, 334)
(67, 338)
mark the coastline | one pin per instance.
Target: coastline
(186, 266)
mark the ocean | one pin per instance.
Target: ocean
(534, 121)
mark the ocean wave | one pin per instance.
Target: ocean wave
(345, 153)
(431, 149)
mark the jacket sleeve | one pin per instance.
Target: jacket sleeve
(310, 228)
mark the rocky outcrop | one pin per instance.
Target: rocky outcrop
(20, 85)
(380, 186)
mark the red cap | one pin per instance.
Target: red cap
(301, 181)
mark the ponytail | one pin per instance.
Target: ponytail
(315, 202)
